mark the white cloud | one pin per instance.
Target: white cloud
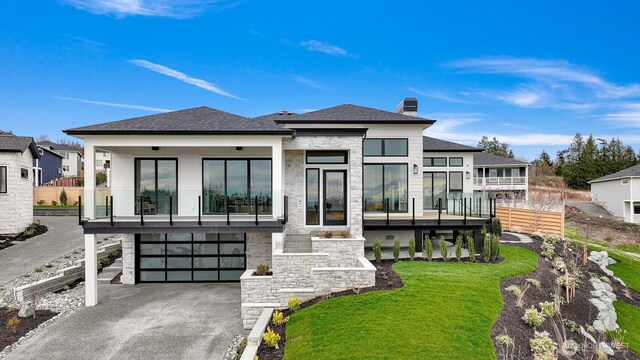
(179, 9)
(307, 81)
(117, 105)
(440, 95)
(324, 47)
(625, 115)
(203, 84)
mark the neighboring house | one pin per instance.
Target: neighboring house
(202, 195)
(619, 193)
(48, 167)
(16, 182)
(103, 159)
(72, 159)
(505, 179)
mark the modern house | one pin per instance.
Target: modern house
(503, 178)
(72, 159)
(48, 167)
(103, 159)
(203, 195)
(619, 193)
(16, 182)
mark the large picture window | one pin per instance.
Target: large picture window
(434, 188)
(455, 181)
(385, 147)
(386, 181)
(156, 182)
(241, 180)
(3, 179)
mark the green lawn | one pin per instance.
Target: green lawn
(629, 319)
(55, 207)
(444, 311)
(626, 269)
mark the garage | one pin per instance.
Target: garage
(190, 257)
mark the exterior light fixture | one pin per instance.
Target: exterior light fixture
(415, 169)
(468, 175)
(155, 148)
(239, 148)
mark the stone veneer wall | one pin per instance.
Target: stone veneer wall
(16, 205)
(128, 259)
(294, 188)
(334, 265)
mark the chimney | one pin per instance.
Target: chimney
(408, 106)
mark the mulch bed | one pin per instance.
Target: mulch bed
(579, 310)
(7, 337)
(34, 230)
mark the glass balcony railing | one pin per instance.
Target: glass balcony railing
(497, 181)
(471, 204)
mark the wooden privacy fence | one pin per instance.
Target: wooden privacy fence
(52, 193)
(530, 221)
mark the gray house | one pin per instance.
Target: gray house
(619, 193)
(48, 167)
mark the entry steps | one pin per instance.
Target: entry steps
(110, 272)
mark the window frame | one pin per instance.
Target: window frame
(63, 166)
(4, 178)
(306, 195)
(383, 142)
(456, 157)
(384, 192)
(23, 171)
(135, 182)
(432, 161)
(336, 152)
(446, 190)
(636, 209)
(450, 189)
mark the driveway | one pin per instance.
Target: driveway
(592, 209)
(147, 321)
(63, 237)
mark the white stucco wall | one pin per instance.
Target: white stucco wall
(16, 206)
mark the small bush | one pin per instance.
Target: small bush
(459, 248)
(41, 202)
(471, 246)
(486, 249)
(48, 266)
(377, 250)
(345, 235)
(496, 227)
(542, 346)
(396, 248)
(54, 203)
(552, 239)
(12, 324)
(547, 250)
(443, 249)
(483, 233)
(505, 340)
(559, 264)
(293, 304)
(547, 308)
(412, 247)
(572, 325)
(66, 288)
(278, 318)
(428, 249)
(262, 269)
(39, 270)
(63, 198)
(495, 247)
(557, 299)
(515, 290)
(534, 282)
(101, 178)
(605, 279)
(533, 317)
(328, 235)
(270, 338)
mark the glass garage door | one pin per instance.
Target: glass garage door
(190, 257)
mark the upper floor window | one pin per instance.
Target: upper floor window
(434, 161)
(24, 173)
(3, 179)
(455, 181)
(65, 167)
(385, 147)
(65, 154)
(327, 157)
(636, 209)
(455, 161)
(99, 163)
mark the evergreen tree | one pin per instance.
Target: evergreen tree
(495, 147)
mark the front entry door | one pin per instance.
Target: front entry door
(335, 197)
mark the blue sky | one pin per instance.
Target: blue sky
(531, 75)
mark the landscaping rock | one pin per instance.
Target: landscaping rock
(25, 312)
(606, 348)
(587, 335)
(602, 259)
(603, 298)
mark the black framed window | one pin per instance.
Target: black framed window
(385, 147)
(156, 185)
(313, 197)
(636, 209)
(386, 181)
(434, 161)
(456, 181)
(434, 188)
(455, 161)
(3, 179)
(327, 157)
(24, 174)
(241, 180)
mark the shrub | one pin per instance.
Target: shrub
(345, 235)
(534, 282)
(515, 290)
(40, 202)
(293, 304)
(101, 178)
(495, 247)
(566, 281)
(39, 270)
(12, 324)
(262, 269)
(471, 246)
(377, 250)
(428, 249)
(496, 227)
(533, 317)
(443, 249)
(396, 248)
(54, 203)
(278, 318)
(486, 249)
(271, 338)
(552, 239)
(572, 325)
(412, 247)
(542, 346)
(459, 248)
(48, 266)
(505, 340)
(547, 250)
(547, 308)
(559, 264)
(483, 233)
(63, 198)
(66, 288)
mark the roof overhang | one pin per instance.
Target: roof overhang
(372, 122)
(331, 131)
(615, 178)
(453, 150)
(74, 132)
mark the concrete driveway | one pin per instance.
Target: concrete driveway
(147, 321)
(64, 236)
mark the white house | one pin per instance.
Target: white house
(203, 195)
(619, 193)
(72, 161)
(16, 182)
(506, 179)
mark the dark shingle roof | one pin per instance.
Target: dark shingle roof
(49, 151)
(55, 146)
(628, 172)
(12, 143)
(486, 159)
(433, 144)
(201, 120)
(351, 114)
(276, 116)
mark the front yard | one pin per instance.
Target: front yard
(444, 311)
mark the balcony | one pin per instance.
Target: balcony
(500, 182)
